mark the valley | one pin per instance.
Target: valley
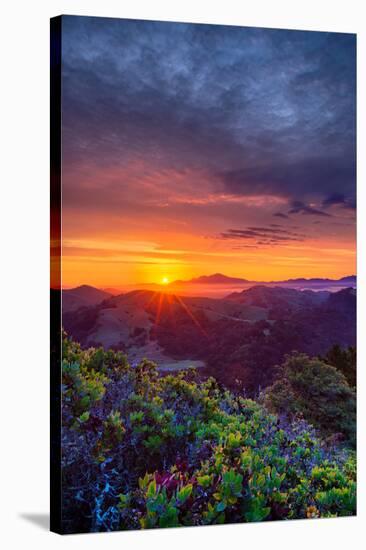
(239, 339)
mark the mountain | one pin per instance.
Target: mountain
(277, 297)
(219, 285)
(130, 322)
(215, 279)
(82, 296)
(238, 338)
(352, 279)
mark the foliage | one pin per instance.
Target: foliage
(318, 392)
(243, 354)
(343, 360)
(142, 450)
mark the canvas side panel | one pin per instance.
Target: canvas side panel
(55, 274)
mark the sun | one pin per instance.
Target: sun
(164, 281)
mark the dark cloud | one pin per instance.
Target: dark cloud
(338, 199)
(262, 111)
(307, 176)
(280, 215)
(263, 235)
(298, 207)
(274, 230)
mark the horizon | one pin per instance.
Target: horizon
(176, 162)
(168, 286)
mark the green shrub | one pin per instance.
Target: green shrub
(316, 391)
(141, 450)
(343, 360)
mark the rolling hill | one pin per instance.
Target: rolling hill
(130, 321)
(219, 285)
(82, 296)
(239, 338)
(219, 278)
(278, 297)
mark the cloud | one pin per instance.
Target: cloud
(297, 179)
(263, 235)
(261, 111)
(338, 199)
(199, 136)
(245, 246)
(299, 207)
(273, 230)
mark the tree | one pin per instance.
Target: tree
(344, 360)
(317, 391)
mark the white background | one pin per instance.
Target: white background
(24, 316)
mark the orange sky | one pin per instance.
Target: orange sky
(115, 269)
(179, 233)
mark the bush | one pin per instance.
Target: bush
(316, 391)
(343, 360)
(146, 451)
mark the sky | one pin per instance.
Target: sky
(191, 149)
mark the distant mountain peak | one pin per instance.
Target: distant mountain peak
(349, 279)
(220, 278)
(215, 278)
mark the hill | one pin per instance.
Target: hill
(240, 338)
(130, 322)
(278, 298)
(82, 296)
(219, 285)
(220, 279)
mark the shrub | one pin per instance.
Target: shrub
(316, 391)
(343, 360)
(146, 451)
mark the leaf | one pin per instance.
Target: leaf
(143, 481)
(123, 500)
(220, 506)
(204, 481)
(169, 518)
(151, 490)
(184, 493)
(84, 417)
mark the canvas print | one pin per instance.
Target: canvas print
(203, 274)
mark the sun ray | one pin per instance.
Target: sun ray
(190, 314)
(159, 308)
(171, 311)
(152, 298)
